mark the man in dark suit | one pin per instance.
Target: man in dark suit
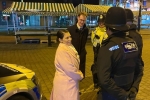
(79, 33)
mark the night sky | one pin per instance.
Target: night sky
(75, 2)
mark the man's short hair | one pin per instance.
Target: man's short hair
(82, 13)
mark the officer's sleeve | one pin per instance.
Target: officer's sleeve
(104, 66)
(140, 66)
(138, 74)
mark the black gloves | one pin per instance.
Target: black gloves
(132, 93)
(97, 37)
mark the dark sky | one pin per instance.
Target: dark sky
(75, 2)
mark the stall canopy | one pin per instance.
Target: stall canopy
(136, 13)
(7, 10)
(92, 9)
(41, 8)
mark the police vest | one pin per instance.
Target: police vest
(123, 71)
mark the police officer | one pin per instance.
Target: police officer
(117, 59)
(97, 36)
(134, 34)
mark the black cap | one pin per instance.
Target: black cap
(129, 15)
(116, 19)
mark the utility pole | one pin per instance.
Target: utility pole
(23, 17)
(100, 2)
(139, 17)
(124, 4)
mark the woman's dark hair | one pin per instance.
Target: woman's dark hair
(60, 34)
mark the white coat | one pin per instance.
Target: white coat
(67, 75)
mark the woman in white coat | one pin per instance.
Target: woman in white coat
(67, 75)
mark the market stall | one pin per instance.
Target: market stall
(46, 10)
(92, 9)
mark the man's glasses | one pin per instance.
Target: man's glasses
(82, 20)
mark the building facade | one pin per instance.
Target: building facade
(63, 21)
(124, 3)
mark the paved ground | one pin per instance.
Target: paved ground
(40, 59)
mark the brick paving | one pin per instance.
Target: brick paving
(40, 59)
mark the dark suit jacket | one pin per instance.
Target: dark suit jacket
(79, 38)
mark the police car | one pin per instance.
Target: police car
(18, 83)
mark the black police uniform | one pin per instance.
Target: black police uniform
(117, 63)
(133, 33)
(101, 31)
(138, 39)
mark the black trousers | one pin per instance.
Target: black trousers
(94, 66)
(82, 63)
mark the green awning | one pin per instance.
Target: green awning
(59, 7)
(97, 8)
(55, 9)
(92, 9)
(82, 8)
(136, 13)
(27, 6)
(7, 10)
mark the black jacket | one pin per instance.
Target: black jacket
(116, 65)
(79, 38)
(133, 33)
